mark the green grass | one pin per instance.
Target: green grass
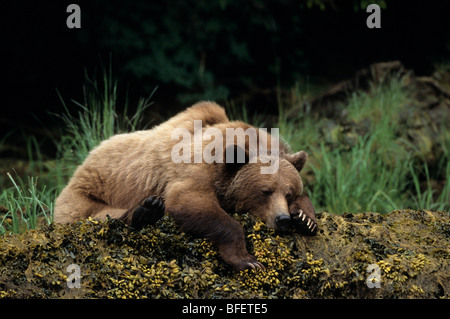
(97, 119)
(370, 167)
(373, 172)
(357, 180)
(427, 197)
(26, 203)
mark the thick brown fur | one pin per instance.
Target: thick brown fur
(131, 176)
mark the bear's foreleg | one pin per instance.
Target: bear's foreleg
(201, 216)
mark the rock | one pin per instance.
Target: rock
(409, 250)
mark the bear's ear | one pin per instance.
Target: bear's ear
(298, 159)
(235, 157)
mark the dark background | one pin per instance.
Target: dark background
(191, 50)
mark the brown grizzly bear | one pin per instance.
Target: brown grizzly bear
(136, 177)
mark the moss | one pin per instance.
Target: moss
(409, 247)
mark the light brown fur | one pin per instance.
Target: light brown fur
(127, 168)
(124, 170)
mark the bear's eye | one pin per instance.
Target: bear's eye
(267, 191)
(288, 196)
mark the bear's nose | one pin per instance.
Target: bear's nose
(283, 222)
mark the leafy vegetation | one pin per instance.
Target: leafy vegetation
(191, 45)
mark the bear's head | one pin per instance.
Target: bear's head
(267, 196)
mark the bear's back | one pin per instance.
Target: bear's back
(139, 163)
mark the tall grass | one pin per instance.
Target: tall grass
(427, 197)
(97, 118)
(373, 172)
(357, 180)
(26, 203)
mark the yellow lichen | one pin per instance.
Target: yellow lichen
(162, 262)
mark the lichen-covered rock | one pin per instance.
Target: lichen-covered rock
(409, 249)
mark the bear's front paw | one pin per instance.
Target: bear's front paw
(305, 224)
(149, 213)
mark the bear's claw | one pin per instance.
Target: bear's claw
(241, 263)
(304, 223)
(149, 213)
(256, 265)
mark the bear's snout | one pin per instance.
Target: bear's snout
(283, 222)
